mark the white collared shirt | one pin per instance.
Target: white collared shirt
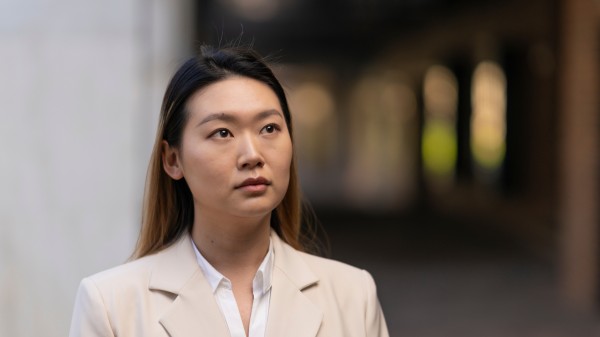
(223, 292)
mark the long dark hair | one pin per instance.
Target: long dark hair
(168, 210)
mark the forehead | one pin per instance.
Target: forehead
(233, 95)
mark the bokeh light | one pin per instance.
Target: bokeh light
(439, 144)
(488, 119)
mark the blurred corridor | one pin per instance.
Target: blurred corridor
(450, 147)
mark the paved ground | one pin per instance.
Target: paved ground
(445, 280)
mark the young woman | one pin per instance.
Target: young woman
(221, 249)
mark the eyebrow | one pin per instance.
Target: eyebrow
(223, 116)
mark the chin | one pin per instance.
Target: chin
(254, 211)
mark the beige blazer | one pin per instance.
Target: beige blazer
(166, 294)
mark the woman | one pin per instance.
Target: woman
(220, 251)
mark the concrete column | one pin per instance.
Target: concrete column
(579, 141)
(80, 89)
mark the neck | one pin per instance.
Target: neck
(233, 247)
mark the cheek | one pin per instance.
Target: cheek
(205, 166)
(284, 160)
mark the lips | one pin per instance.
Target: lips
(254, 182)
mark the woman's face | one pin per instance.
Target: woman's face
(236, 150)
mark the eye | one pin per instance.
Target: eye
(221, 133)
(271, 128)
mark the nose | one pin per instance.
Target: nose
(249, 155)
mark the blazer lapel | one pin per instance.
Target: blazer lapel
(194, 311)
(291, 313)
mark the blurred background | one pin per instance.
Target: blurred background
(451, 148)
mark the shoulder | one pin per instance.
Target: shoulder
(325, 267)
(341, 283)
(347, 295)
(340, 274)
(125, 298)
(123, 286)
(175, 262)
(131, 272)
(107, 295)
(328, 275)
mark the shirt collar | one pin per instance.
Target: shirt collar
(262, 278)
(264, 274)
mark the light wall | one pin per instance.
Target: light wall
(80, 90)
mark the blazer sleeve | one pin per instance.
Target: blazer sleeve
(375, 325)
(90, 317)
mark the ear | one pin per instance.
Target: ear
(171, 161)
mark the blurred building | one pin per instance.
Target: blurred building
(482, 113)
(474, 109)
(476, 116)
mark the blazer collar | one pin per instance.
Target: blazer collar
(175, 266)
(195, 311)
(289, 261)
(291, 312)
